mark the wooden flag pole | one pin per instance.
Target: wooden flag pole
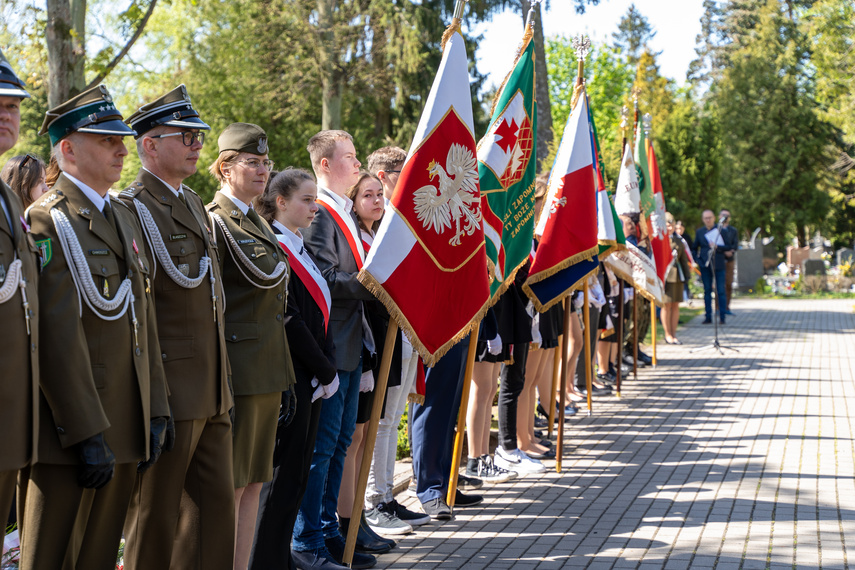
(589, 381)
(371, 437)
(635, 334)
(557, 366)
(565, 344)
(653, 324)
(619, 333)
(461, 415)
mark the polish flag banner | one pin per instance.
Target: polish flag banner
(567, 253)
(660, 241)
(428, 264)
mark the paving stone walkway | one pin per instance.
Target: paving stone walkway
(741, 460)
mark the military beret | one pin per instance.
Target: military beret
(10, 85)
(92, 111)
(243, 137)
(171, 110)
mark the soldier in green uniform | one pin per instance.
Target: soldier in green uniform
(104, 413)
(19, 333)
(255, 278)
(161, 530)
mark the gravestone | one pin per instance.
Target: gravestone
(813, 267)
(797, 255)
(845, 255)
(749, 268)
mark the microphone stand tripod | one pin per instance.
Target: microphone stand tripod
(716, 345)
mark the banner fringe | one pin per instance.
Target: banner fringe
(558, 298)
(452, 28)
(430, 359)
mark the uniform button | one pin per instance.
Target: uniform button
(279, 296)
(182, 250)
(60, 430)
(278, 317)
(137, 352)
(275, 256)
(163, 356)
(234, 337)
(33, 347)
(103, 269)
(31, 312)
(252, 256)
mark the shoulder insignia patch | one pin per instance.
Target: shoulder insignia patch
(45, 250)
(49, 199)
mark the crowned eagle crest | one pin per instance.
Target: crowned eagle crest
(455, 200)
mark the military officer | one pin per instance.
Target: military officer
(19, 334)
(104, 413)
(161, 530)
(255, 278)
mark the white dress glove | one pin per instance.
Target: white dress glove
(366, 382)
(322, 391)
(319, 390)
(494, 346)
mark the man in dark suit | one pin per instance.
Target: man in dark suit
(708, 239)
(731, 242)
(162, 530)
(334, 242)
(19, 303)
(104, 411)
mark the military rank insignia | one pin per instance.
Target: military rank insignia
(45, 251)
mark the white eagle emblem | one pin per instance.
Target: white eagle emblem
(457, 199)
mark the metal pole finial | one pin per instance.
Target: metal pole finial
(624, 117)
(647, 121)
(529, 19)
(582, 45)
(458, 9)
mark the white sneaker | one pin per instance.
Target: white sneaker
(517, 460)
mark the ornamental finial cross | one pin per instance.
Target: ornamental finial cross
(582, 45)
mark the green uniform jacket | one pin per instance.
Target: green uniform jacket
(255, 324)
(94, 376)
(19, 352)
(192, 345)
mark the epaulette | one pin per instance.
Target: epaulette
(116, 201)
(131, 191)
(188, 189)
(49, 200)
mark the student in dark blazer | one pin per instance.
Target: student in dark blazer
(288, 204)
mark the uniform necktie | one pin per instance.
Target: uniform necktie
(108, 213)
(253, 217)
(182, 198)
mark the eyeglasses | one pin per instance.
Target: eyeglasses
(254, 163)
(187, 137)
(392, 171)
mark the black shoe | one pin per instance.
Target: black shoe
(642, 357)
(628, 360)
(315, 560)
(707, 321)
(538, 433)
(463, 500)
(606, 379)
(721, 322)
(548, 454)
(336, 546)
(540, 421)
(437, 509)
(366, 539)
(469, 482)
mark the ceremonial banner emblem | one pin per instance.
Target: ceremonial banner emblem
(568, 247)
(507, 173)
(427, 263)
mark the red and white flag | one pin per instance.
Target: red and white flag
(660, 241)
(428, 264)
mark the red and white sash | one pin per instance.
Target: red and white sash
(367, 241)
(311, 280)
(350, 231)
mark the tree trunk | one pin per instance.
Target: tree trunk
(65, 35)
(544, 108)
(331, 82)
(332, 91)
(382, 84)
(801, 234)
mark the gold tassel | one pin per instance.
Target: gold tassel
(452, 28)
(416, 398)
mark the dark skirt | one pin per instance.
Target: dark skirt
(552, 325)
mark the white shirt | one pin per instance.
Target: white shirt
(93, 196)
(295, 244)
(175, 192)
(244, 208)
(343, 201)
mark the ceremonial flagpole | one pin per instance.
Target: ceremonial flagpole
(588, 372)
(635, 92)
(624, 120)
(647, 121)
(557, 368)
(368, 452)
(461, 415)
(565, 344)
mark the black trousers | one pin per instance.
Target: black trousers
(512, 379)
(281, 497)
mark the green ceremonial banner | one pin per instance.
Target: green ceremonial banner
(506, 171)
(643, 171)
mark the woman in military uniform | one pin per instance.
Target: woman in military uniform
(255, 279)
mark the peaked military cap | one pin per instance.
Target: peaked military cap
(10, 85)
(243, 137)
(171, 110)
(92, 111)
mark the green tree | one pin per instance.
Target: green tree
(776, 146)
(633, 35)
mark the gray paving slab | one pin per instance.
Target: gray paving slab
(741, 460)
